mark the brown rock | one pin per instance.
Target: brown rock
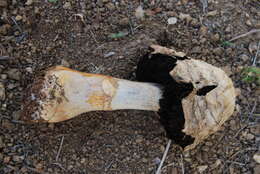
(174, 170)
(125, 21)
(3, 3)
(111, 6)
(186, 17)
(2, 91)
(232, 170)
(227, 70)
(201, 169)
(17, 158)
(255, 130)
(14, 74)
(65, 63)
(252, 47)
(7, 159)
(4, 29)
(247, 135)
(196, 49)
(1, 143)
(228, 29)
(257, 169)
(244, 57)
(16, 115)
(184, 2)
(215, 37)
(7, 124)
(218, 51)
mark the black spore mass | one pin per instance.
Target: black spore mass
(155, 68)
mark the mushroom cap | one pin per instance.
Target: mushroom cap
(204, 113)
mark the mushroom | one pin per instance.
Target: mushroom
(193, 98)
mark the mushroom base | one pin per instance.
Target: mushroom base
(156, 68)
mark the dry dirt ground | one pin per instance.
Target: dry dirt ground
(37, 34)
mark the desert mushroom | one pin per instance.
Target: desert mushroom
(193, 98)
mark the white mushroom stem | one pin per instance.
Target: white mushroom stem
(65, 93)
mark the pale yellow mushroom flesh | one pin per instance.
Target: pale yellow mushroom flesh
(64, 93)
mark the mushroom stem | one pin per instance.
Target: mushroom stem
(136, 95)
(64, 93)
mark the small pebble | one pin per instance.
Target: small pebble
(257, 169)
(218, 51)
(29, 70)
(215, 37)
(4, 29)
(65, 63)
(157, 160)
(67, 5)
(244, 57)
(257, 157)
(2, 145)
(109, 54)
(2, 91)
(3, 3)
(110, 6)
(212, 13)
(3, 76)
(201, 169)
(7, 159)
(29, 2)
(186, 17)
(17, 158)
(228, 29)
(139, 12)
(16, 115)
(248, 23)
(124, 22)
(14, 74)
(18, 17)
(172, 20)
(252, 47)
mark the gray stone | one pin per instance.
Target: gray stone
(14, 74)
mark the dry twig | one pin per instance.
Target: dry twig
(182, 165)
(256, 54)
(61, 143)
(164, 156)
(245, 34)
(204, 5)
